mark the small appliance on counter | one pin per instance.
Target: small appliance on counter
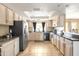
(59, 31)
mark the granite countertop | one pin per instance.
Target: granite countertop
(69, 38)
(5, 40)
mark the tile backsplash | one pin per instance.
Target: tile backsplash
(4, 29)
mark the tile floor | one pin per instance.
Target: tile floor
(40, 48)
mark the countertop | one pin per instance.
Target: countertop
(5, 40)
(69, 38)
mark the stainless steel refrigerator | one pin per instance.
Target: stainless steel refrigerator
(19, 29)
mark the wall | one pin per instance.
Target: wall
(72, 25)
(72, 11)
(4, 30)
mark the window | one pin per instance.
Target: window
(39, 27)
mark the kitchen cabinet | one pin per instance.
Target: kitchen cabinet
(68, 47)
(54, 23)
(10, 48)
(9, 17)
(71, 48)
(20, 18)
(55, 39)
(30, 26)
(62, 45)
(49, 23)
(16, 45)
(6, 15)
(2, 14)
(16, 17)
(58, 42)
(36, 36)
(51, 37)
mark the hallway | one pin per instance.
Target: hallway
(40, 48)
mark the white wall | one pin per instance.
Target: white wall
(4, 30)
(72, 11)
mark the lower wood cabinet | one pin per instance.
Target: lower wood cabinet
(68, 48)
(10, 48)
(55, 40)
(58, 42)
(51, 37)
(62, 45)
(16, 46)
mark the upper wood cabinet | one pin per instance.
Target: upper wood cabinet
(16, 17)
(9, 19)
(54, 23)
(2, 14)
(20, 18)
(49, 23)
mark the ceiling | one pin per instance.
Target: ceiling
(21, 7)
(70, 9)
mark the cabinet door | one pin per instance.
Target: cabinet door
(51, 37)
(9, 17)
(52, 40)
(2, 14)
(54, 23)
(68, 47)
(16, 17)
(8, 49)
(55, 40)
(62, 45)
(16, 46)
(58, 38)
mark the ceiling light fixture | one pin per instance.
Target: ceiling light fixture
(36, 9)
